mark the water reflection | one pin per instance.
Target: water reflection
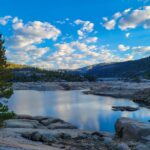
(86, 111)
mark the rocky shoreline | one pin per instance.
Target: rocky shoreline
(47, 133)
(105, 85)
(139, 92)
(53, 86)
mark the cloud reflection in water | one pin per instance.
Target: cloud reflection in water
(86, 111)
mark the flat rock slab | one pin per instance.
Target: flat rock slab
(59, 125)
(23, 144)
(22, 123)
(51, 120)
(38, 122)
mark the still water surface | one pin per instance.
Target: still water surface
(88, 112)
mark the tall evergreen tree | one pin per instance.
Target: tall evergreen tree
(5, 82)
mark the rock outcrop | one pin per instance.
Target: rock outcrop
(128, 129)
(124, 108)
(119, 89)
(47, 133)
(38, 123)
(142, 96)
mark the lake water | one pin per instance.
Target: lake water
(88, 112)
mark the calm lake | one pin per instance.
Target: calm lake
(88, 112)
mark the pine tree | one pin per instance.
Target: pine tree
(5, 82)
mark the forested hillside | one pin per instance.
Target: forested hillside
(23, 73)
(128, 69)
(140, 68)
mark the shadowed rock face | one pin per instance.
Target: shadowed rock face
(128, 129)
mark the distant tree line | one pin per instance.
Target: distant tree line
(31, 74)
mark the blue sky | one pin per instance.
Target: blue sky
(70, 34)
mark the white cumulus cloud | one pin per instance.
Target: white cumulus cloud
(122, 47)
(31, 33)
(137, 17)
(127, 35)
(4, 20)
(129, 19)
(24, 45)
(109, 25)
(87, 27)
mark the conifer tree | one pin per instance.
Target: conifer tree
(5, 82)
